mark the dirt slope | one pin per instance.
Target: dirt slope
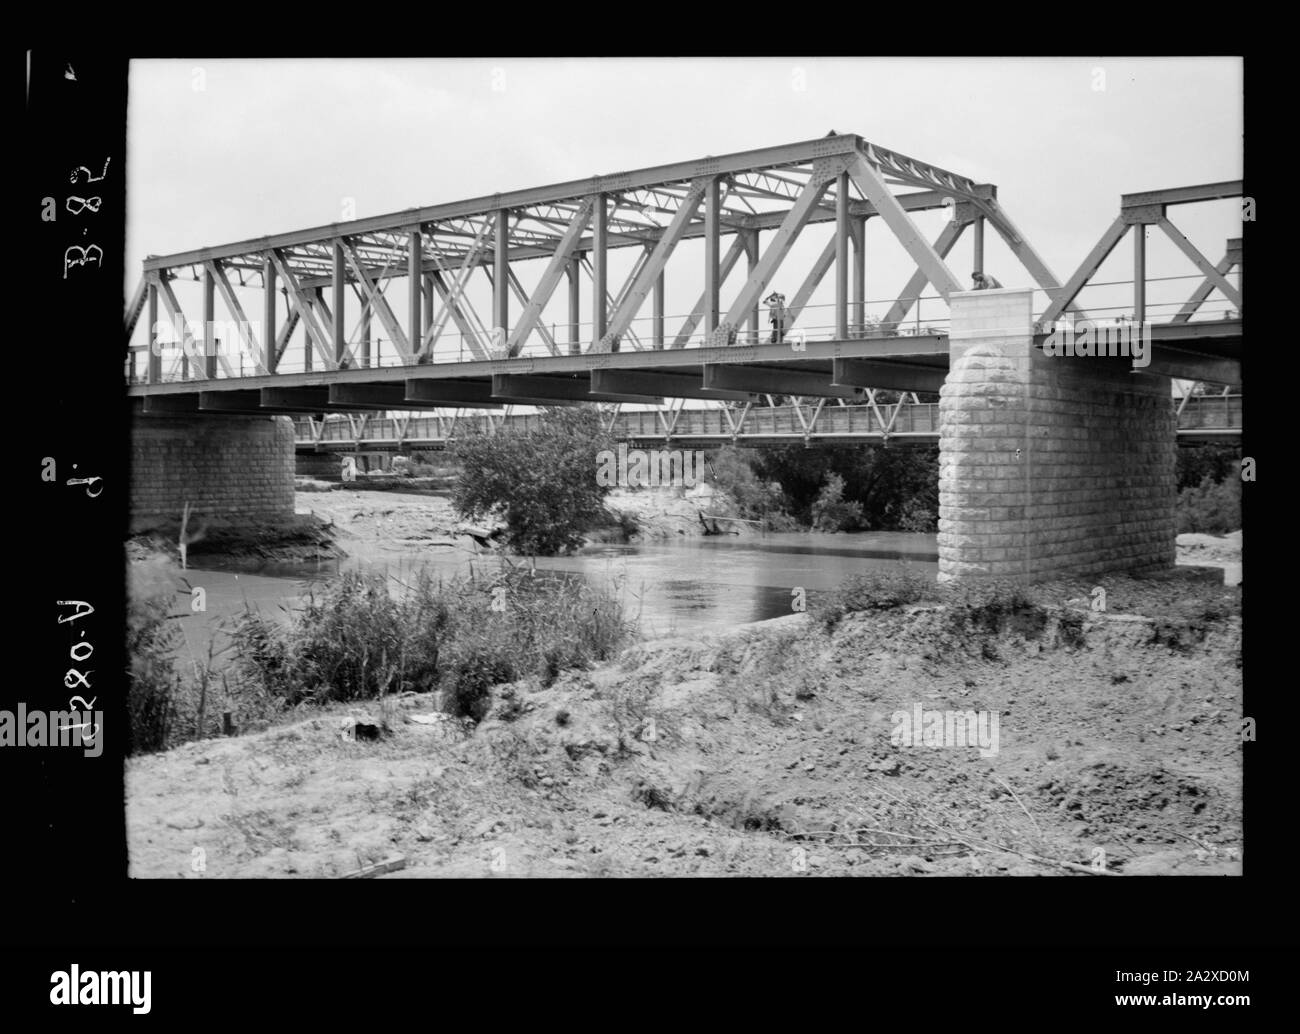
(766, 751)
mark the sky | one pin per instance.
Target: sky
(222, 150)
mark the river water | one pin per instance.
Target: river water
(673, 586)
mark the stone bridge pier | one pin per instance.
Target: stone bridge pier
(229, 469)
(1049, 466)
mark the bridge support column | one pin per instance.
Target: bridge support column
(228, 469)
(1049, 467)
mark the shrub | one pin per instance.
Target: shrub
(542, 484)
(1212, 459)
(994, 606)
(1069, 624)
(883, 480)
(830, 512)
(880, 589)
(358, 640)
(753, 498)
(153, 684)
(354, 640)
(472, 672)
(915, 515)
(1210, 508)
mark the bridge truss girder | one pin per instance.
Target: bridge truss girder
(439, 250)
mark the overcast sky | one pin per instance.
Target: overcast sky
(225, 150)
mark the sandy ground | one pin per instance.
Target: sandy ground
(1213, 551)
(375, 525)
(765, 751)
(379, 523)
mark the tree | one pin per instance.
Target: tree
(733, 474)
(830, 512)
(881, 480)
(542, 484)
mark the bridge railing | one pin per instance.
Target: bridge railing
(1106, 302)
(927, 315)
(1211, 411)
(1110, 302)
(1198, 412)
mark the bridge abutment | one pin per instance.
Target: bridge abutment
(228, 469)
(1048, 466)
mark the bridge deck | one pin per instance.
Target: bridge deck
(839, 368)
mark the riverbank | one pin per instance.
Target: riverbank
(304, 539)
(768, 750)
(373, 525)
(335, 521)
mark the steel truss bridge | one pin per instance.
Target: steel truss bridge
(1201, 418)
(320, 295)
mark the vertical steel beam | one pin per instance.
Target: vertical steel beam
(729, 261)
(414, 269)
(246, 334)
(599, 269)
(451, 308)
(858, 293)
(308, 305)
(135, 305)
(560, 261)
(978, 267)
(268, 314)
(177, 316)
(378, 304)
(842, 256)
(1139, 274)
(426, 310)
(308, 341)
(209, 317)
(340, 282)
(500, 279)
(651, 262)
(752, 323)
(782, 240)
(575, 303)
(712, 278)
(364, 344)
(155, 358)
(455, 301)
(657, 323)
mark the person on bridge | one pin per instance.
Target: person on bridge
(984, 282)
(776, 315)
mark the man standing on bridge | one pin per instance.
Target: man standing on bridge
(984, 282)
(776, 315)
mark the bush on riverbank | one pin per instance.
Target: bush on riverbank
(879, 589)
(172, 693)
(895, 488)
(356, 640)
(831, 511)
(152, 681)
(983, 608)
(752, 498)
(353, 640)
(1211, 508)
(542, 484)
